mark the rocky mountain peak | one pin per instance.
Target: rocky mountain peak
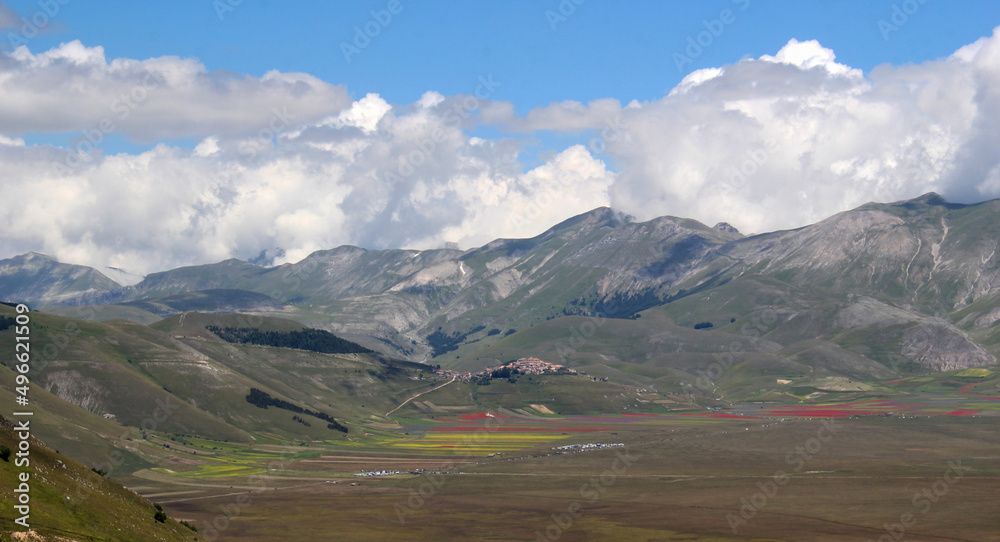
(726, 227)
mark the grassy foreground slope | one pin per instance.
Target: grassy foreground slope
(69, 502)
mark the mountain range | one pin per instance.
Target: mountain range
(665, 315)
(884, 289)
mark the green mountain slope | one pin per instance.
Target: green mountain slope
(40, 280)
(922, 275)
(191, 382)
(70, 502)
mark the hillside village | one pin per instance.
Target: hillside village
(524, 366)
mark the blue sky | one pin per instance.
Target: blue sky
(151, 135)
(602, 49)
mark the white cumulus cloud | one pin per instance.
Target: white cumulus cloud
(789, 139)
(292, 162)
(74, 88)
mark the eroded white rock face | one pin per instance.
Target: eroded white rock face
(73, 387)
(939, 346)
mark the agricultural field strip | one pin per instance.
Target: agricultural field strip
(519, 433)
(412, 457)
(172, 481)
(365, 460)
(248, 461)
(168, 493)
(256, 490)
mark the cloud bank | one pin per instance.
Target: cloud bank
(786, 140)
(289, 161)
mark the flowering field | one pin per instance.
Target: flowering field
(924, 405)
(490, 432)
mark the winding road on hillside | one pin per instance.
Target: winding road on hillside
(401, 405)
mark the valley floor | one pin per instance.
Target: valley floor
(696, 477)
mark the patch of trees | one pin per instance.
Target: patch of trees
(703, 325)
(313, 340)
(261, 399)
(510, 332)
(160, 515)
(396, 366)
(576, 311)
(442, 343)
(6, 322)
(510, 373)
(504, 372)
(404, 351)
(626, 306)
